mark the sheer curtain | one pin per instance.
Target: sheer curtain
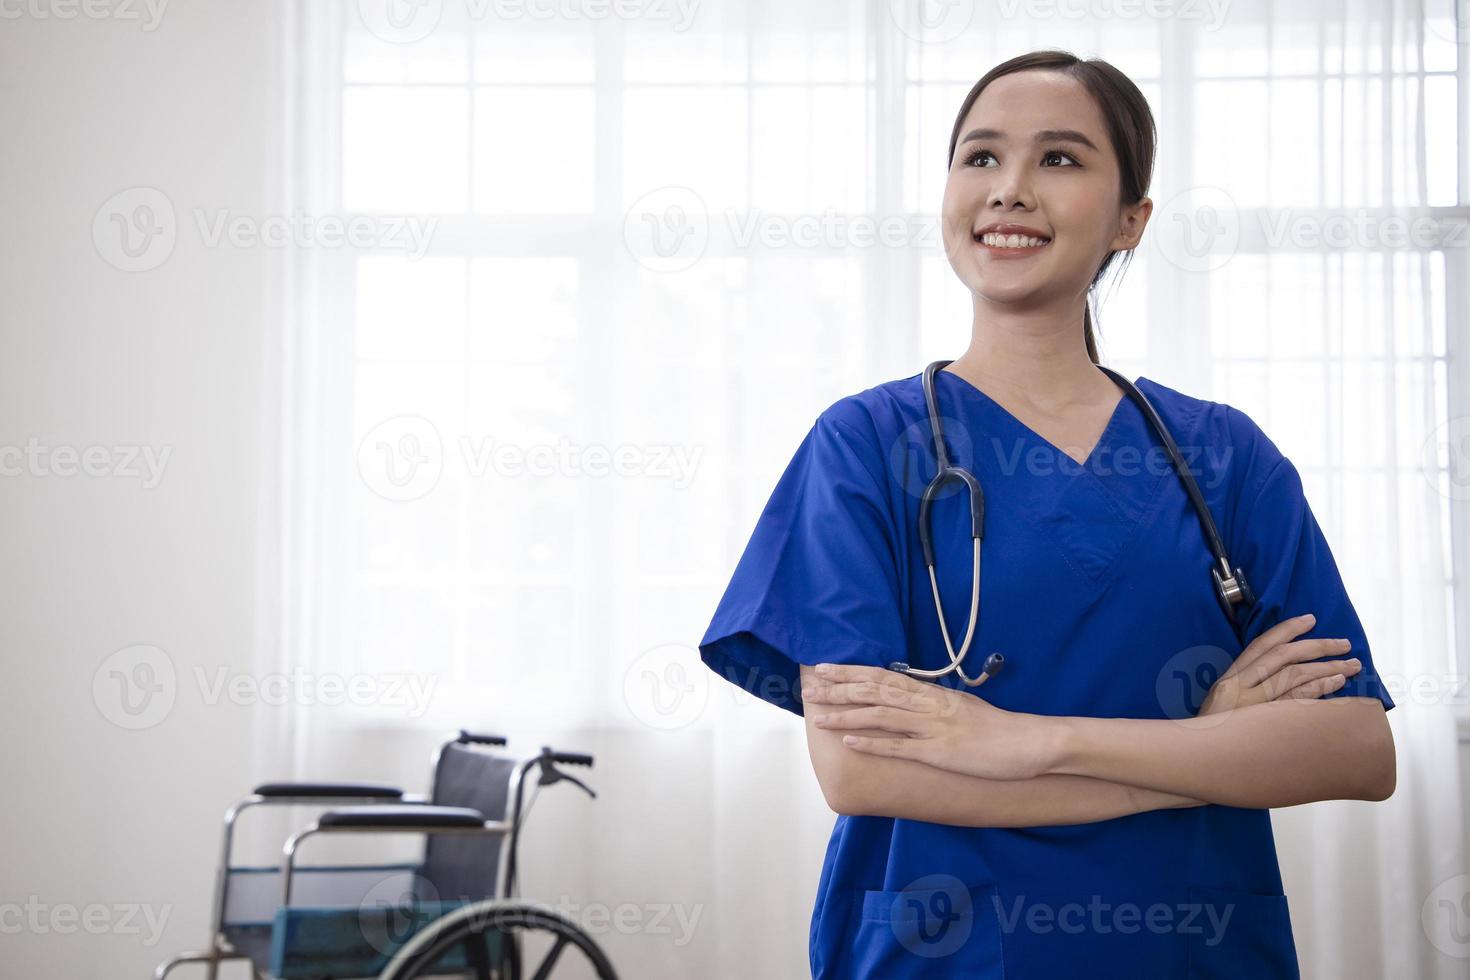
(610, 268)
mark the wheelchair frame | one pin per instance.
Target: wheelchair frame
(370, 799)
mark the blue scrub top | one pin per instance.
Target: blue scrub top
(1095, 584)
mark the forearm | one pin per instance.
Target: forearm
(857, 784)
(1280, 753)
(884, 787)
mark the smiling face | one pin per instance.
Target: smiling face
(1031, 206)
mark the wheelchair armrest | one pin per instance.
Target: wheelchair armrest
(365, 791)
(419, 816)
(480, 738)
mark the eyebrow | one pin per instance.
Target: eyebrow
(1042, 136)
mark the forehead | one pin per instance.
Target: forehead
(1023, 102)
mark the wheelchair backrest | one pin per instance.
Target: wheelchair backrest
(459, 866)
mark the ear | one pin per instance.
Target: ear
(1131, 222)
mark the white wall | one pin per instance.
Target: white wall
(98, 815)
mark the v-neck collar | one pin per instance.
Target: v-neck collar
(1114, 420)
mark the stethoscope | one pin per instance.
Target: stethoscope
(1231, 588)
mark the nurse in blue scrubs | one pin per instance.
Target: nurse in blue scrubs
(1102, 805)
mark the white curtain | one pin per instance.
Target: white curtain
(610, 268)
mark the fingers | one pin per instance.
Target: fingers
(1296, 675)
(867, 685)
(1316, 688)
(1269, 640)
(1297, 652)
(897, 748)
(879, 718)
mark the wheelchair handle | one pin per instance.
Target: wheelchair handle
(550, 774)
(479, 738)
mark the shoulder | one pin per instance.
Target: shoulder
(876, 417)
(1232, 460)
(1222, 443)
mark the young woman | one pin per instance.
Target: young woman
(1101, 805)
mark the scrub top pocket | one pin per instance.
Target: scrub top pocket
(939, 928)
(1239, 934)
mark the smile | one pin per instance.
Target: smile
(1011, 242)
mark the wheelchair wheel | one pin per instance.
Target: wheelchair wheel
(516, 923)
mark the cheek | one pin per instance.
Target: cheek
(958, 210)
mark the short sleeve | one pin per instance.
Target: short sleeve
(818, 580)
(1291, 570)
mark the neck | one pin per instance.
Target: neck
(1041, 359)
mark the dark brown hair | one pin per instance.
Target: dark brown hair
(1130, 125)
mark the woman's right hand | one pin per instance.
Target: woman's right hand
(1271, 668)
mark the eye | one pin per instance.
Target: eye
(977, 155)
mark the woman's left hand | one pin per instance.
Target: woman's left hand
(935, 725)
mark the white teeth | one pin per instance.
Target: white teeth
(1012, 241)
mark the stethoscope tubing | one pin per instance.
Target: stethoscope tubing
(1231, 588)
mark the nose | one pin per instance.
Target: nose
(1010, 189)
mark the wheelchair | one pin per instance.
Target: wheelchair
(453, 914)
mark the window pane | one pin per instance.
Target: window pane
(563, 52)
(816, 140)
(410, 309)
(694, 138)
(534, 150)
(429, 44)
(404, 150)
(523, 310)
